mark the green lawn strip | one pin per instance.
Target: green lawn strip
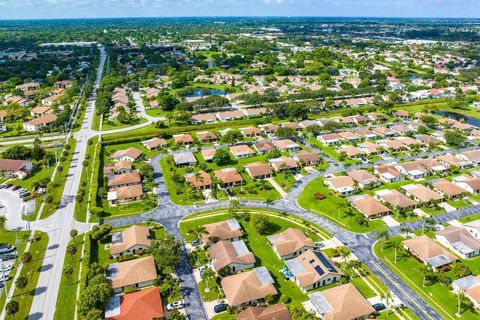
(81, 207)
(60, 179)
(65, 307)
(438, 296)
(144, 205)
(285, 180)
(473, 217)
(10, 238)
(31, 271)
(111, 125)
(333, 207)
(212, 293)
(156, 112)
(363, 287)
(96, 121)
(331, 152)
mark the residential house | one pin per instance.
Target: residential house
(427, 251)
(364, 179)
(241, 151)
(369, 207)
(474, 228)
(312, 270)
(269, 129)
(413, 170)
(263, 147)
(228, 230)
(229, 177)
(366, 133)
(183, 139)
(248, 288)
(286, 145)
(283, 163)
(124, 180)
(141, 305)
(395, 199)
(329, 139)
(469, 183)
(199, 180)
(254, 112)
(38, 123)
(470, 287)
(306, 158)
(230, 115)
(40, 111)
(343, 185)
(250, 132)
(14, 168)
(420, 193)
(154, 143)
(434, 165)
(63, 84)
(125, 194)
(400, 128)
(136, 273)
(130, 154)
(203, 118)
(459, 240)
(207, 137)
(290, 243)
(391, 145)
(388, 173)
(132, 240)
(120, 167)
(343, 302)
(448, 189)
(349, 136)
(350, 151)
(452, 160)
(258, 170)
(273, 312)
(231, 254)
(208, 154)
(386, 132)
(401, 114)
(472, 155)
(369, 148)
(184, 159)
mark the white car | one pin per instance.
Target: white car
(175, 305)
(7, 277)
(5, 268)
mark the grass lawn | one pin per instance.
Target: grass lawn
(333, 207)
(331, 152)
(156, 112)
(285, 180)
(58, 183)
(65, 307)
(111, 149)
(81, 207)
(31, 271)
(110, 125)
(10, 238)
(438, 296)
(131, 208)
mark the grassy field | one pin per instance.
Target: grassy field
(58, 183)
(10, 238)
(333, 207)
(31, 271)
(438, 296)
(81, 207)
(65, 307)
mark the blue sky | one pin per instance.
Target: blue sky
(31, 9)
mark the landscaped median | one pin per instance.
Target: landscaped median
(431, 286)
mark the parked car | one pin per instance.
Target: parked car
(6, 267)
(7, 277)
(5, 248)
(15, 188)
(220, 307)
(379, 307)
(319, 244)
(175, 305)
(195, 243)
(8, 256)
(201, 268)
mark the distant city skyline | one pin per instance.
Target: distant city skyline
(44, 9)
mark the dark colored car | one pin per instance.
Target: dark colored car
(220, 307)
(15, 188)
(195, 243)
(379, 307)
(8, 256)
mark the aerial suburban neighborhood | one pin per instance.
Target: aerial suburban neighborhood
(240, 168)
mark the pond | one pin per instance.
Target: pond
(460, 117)
(200, 92)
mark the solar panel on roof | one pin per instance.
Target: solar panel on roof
(325, 261)
(319, 270)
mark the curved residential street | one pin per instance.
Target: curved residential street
(168, 214)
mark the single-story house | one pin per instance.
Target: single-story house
(307, 158)
(343, 302)
(369, 207)
(473, 227)
(124, 180)
(343, 185)
(470, 286)
(273, 312)
(427, 251)
(312, 270)
(183, 139)
(364, 178)
(132, 240)
(154, 143)
(141, 305)
(250, 132)
(388, 173)
(39, 123)
(469, 183)
(452, 160)
(125, 194)
(203, 118)
(136, 273)
(207, 137)
(12, 168)
(258, 170)
(414, 170)
(369, 148)
(130, 154)
(229, 177)
(199, 180)
(283, 163)
(459, 240)
(263, 147)
(290, 243)
(208, 154)
(420, 193)
(395, 198)
(241, 151)
(329, 139)
(248, 287)
(120, 167)
(286, 145)
(184, 159)
(232, 254)
(228, 230)
(448, 189)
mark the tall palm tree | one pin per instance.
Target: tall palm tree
(382, 236)
(3, 222)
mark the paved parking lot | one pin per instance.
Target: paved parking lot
(13, 208)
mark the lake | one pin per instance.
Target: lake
(457, 116)
(200, 92)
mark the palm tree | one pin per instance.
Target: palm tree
(382, 236)
(12, 308)
(3, 222)
(404, 230)
(268, 202)
(425, 271)
(396, 244)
